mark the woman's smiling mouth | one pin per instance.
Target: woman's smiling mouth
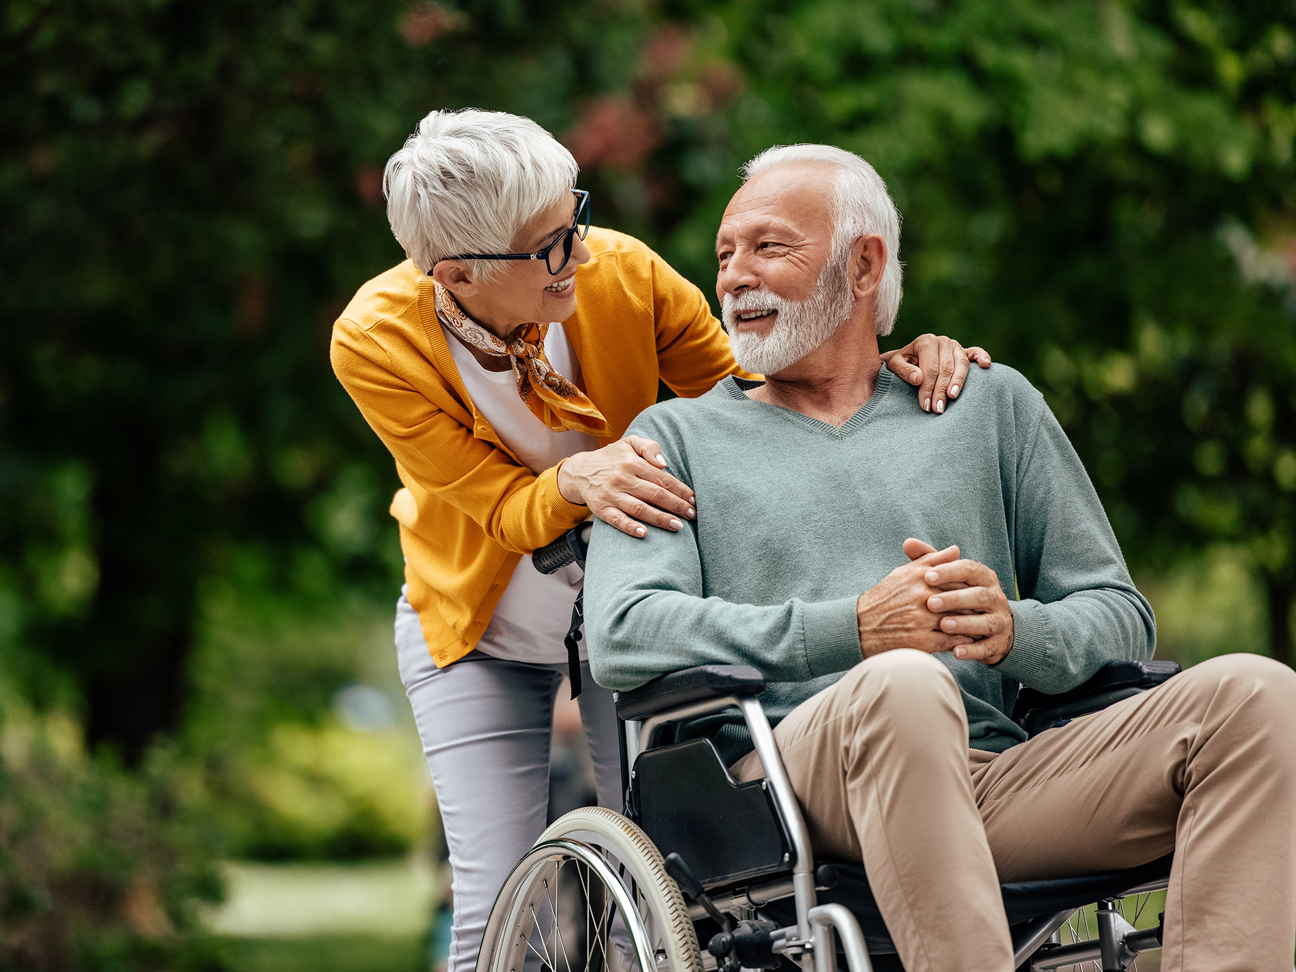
(562, 288)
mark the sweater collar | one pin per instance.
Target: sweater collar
(737, 388)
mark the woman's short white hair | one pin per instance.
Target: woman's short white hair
(468, 181)
(861, 206)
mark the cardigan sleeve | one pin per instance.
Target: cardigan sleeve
(692, 349)
(517, 509)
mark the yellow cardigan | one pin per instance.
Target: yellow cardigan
(469, 509)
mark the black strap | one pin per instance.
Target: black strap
(573, 636)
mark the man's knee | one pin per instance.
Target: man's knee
(902, 685)
(1263, 682)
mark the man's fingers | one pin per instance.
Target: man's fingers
(965, 571)
(963, 599)
(939, 641)
(972, 625)
(937, 557)
(987, 650)
(916, 548)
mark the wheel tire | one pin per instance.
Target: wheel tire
(526, 921)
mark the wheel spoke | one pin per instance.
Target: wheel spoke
(539, 934)
(649, 924)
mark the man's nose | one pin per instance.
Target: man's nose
(737, 275)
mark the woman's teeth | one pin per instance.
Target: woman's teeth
(559, 286)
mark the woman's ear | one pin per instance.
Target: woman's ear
(455, 276)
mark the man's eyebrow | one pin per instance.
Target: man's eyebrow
(762, 226)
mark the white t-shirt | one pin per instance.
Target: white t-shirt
(534, 613)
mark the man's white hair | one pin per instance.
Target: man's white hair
(861, 206)
(469, 181)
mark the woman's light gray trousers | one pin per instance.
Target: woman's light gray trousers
(486, 726)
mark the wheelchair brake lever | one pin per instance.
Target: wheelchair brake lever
(691, 885)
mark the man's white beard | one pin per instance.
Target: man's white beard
(801, 326)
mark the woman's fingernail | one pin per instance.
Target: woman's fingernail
(640, 531)
(661, 459)
(926, 404)
(691, 513)
(954, 390)
(936, 604)
(940, 408)
(676, 524)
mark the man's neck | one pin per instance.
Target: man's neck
(831, 383)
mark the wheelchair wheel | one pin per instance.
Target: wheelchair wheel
(592, 894)
(1140, 910)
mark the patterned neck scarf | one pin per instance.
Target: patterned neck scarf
(554, 400)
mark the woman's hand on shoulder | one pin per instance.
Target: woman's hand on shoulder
(938, 365)
(626, 485)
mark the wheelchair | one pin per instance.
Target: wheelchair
(701, 872)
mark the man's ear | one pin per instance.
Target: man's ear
(456, 277)
(868, 260)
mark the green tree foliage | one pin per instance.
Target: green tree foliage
(1101, 192)
(189, 193)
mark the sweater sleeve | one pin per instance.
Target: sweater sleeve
(1079, 608)
(646, 612)
(517, 509)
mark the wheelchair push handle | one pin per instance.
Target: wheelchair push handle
(570, 548)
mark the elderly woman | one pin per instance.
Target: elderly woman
(507, 431)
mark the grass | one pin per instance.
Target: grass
(329, 953)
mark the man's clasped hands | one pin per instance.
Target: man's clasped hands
(937, 602)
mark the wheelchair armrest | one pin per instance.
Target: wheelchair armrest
(1115, 681)
(690, 685)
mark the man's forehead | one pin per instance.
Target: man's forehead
(793, 195)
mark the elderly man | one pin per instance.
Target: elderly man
(893, 665)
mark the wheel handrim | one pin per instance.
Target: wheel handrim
(536, 915)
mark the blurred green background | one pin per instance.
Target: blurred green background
(197, 572)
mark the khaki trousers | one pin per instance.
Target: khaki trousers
(1205, 765)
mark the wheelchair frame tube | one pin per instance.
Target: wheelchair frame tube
(803, 878)
(654, 722)
(834, 917)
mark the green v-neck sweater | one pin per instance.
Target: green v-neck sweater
(797, 518)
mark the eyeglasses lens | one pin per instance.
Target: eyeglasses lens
(579, 225)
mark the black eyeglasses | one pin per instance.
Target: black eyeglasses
(549, 255)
